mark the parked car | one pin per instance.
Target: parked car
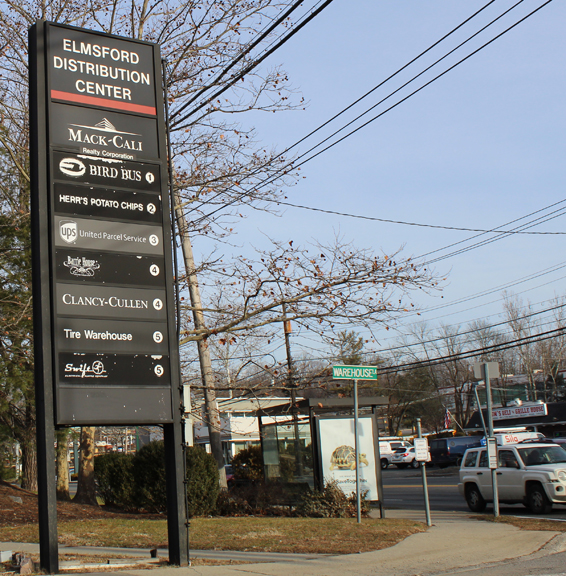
(403, 457)
(449, 451)
(531, 473)
(387, 447)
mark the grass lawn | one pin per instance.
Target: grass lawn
(258, 534)
(528, 523)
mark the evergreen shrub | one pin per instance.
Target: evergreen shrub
(149, 474)
(202, 482)
(113, 473)
(248, 464)
(137, 482)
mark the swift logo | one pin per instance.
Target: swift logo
(72, 167)
(84, 370)
(68, 230)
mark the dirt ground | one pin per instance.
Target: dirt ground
(19, 506)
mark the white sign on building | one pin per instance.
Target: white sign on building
(520, 411)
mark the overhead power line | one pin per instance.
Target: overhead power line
(247, 49)
(517, 342)
(419, 224)
(255, 63)
(294, 165)
(390, 77)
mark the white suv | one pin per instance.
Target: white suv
(529, 473)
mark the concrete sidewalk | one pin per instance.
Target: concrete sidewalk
(451, 543)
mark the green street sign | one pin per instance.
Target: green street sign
(354, 372)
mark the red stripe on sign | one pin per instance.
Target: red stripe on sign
(58, 95)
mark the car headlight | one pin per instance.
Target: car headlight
(561, 475)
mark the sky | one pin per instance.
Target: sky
(481, 146)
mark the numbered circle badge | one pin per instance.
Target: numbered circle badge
(158, 337)
(154, 240)
(154, 270)
(150, 177)
(158, 304)
(158, 370)
(151, 208)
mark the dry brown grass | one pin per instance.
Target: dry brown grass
(528, 523)
(258, 534)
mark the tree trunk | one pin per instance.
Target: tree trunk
(62, 465)
(86, 487)
(29, 466)
(211, 414)
(29, 452)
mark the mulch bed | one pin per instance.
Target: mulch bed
(18, 506)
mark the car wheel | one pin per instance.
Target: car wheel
(384, 463)
(474, 499)
(538, 501)
(401, 465)
(414, 464)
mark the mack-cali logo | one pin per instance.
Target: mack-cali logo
(104, 134)
(84, 370)
(83, 267)
(72, 167)
(68, 230)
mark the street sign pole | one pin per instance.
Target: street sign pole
(357, 451)
(425, 484)
(356, 373)
(490, 427)
(484, 371)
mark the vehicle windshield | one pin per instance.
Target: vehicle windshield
(400, 450)
(536, 455)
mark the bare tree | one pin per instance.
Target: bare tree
(521, 321)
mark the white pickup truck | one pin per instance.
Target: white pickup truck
(530, 473)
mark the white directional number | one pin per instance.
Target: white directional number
(154, 240)
(158, 370)
(154, 270)
(151, 208)
(158, 337)
(150, 177)
(157, 304)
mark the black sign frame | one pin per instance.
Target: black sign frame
(136, 400)
(60, 403)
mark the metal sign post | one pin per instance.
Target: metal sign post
(356, 373)
(485, 371)
(421, 454)
(357, 451)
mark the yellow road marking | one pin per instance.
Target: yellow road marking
(420, 485)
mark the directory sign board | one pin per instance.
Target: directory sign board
(102, 251)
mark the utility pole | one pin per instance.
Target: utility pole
(211, 413)
(292, 387)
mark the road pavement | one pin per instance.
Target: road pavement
(403, 491)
